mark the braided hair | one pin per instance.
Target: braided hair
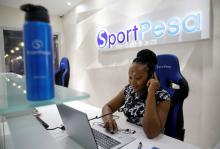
(148, 58)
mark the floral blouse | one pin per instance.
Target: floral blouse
(134, 105)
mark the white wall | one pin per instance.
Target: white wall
(13, 18)
(103, 74)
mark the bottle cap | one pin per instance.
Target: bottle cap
(35, 13)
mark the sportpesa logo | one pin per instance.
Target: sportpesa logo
(172, 27)
(102, 38)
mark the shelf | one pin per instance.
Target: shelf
(13, 95)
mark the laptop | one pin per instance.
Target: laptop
(78, 128)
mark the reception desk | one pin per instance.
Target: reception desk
(18, 128)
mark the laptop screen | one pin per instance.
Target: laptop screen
(77, 126)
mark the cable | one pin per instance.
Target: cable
(46, 126)
(62, 128)
(126, 131)
(100, 116)
(42, 122)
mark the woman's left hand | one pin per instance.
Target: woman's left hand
(153, 84)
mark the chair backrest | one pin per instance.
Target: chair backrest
(62, 74)
(171, 79)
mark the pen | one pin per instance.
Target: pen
(139, 145)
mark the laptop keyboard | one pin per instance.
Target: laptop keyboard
(104, 141)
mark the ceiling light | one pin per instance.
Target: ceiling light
(17, 48)
(22, 44)
(12, 51)
(6, 55)
(19, 57)
(69, 3)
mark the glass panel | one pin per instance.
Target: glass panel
(55, 51)
(2, 142)
(13, 51)
(13, 94)
(13, 45)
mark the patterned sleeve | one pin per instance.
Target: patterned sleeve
(162, 95)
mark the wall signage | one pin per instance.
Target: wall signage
(148, 31)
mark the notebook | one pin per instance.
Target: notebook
(78, 128)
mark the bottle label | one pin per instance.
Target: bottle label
(38, 53)
(37, 45)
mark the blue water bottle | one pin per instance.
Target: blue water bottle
(38, 53)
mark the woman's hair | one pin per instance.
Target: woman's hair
(146, 57)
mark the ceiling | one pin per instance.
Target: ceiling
(55, 7)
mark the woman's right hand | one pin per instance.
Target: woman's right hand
(110, 125)
(111, 107)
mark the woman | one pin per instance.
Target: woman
(142, 100)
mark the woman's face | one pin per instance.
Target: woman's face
(137, 76)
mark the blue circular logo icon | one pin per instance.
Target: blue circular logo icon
(102, 39)
(37, 44)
